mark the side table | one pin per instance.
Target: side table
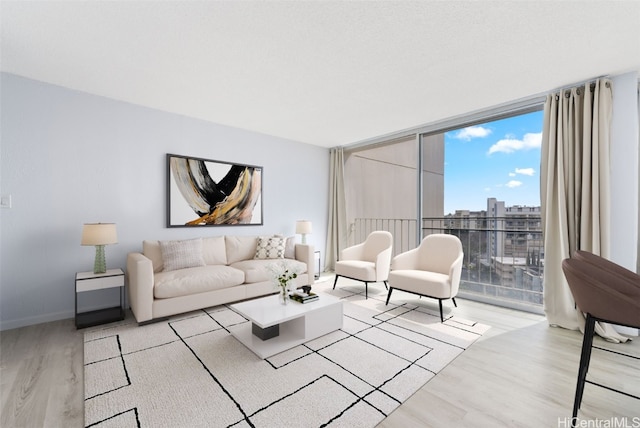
(89, 281)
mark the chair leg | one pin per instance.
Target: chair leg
(386, 285)
(440, 304)
(366, 290)
(585, 357)
(335, 282)
(389, 295)
(453, 299)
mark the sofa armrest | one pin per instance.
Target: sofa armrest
(140, 276)
(305, 254)
(383, 265)
(455, 272)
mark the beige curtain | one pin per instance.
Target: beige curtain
(337, 230)
(574, 192)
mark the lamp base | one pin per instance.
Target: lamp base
(100, 264)
(304, 238)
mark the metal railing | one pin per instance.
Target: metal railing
(503, 256)
(403, 231)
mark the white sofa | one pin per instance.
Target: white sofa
(173, 277)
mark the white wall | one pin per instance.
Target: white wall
(69, 158)
(625, 175)
(624, 171)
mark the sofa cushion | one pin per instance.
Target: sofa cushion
(363, 270)
(181, 254)
(240, 248)
(152, 251)
(214, 251)
(257, 271)
(194, 280)
(432, 284)
(270, 247)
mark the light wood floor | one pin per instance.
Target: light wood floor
(521, 373)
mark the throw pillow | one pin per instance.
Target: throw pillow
(270, 247)
(290, 248)
(152, 250)
(181, 254)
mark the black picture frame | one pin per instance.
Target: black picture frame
(206, 192)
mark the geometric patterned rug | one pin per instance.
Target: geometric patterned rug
(190, 372)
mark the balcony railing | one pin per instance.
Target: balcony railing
(503, 256)
(403, 231)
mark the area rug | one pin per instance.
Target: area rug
(190, 372)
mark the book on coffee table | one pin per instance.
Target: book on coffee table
(301, 297)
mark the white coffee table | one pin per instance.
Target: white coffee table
(279, 327)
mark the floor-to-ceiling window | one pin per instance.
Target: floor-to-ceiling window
(492, 203)
(476, 177)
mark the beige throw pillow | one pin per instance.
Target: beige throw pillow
(152, 250)
(181, 254)
(270, 247)
(290, 248)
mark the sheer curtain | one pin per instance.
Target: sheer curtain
(574, 190)
(337, 230)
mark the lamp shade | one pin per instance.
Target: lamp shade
(303, 227)
(99, 234)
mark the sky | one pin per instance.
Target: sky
(498, 159)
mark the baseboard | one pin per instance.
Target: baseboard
(627, 330)
(39, 319)
(509, 304)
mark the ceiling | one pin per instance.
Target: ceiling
(326, 73)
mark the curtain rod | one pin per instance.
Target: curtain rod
(591, 82)
(578, 86)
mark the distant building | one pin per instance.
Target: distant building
(510, 231)
(515, 230)
(506, 267)
(505, 241)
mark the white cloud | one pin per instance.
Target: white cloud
(512, 174)
(510, 144)
(472, 132)
(524, 171)
(513, 183)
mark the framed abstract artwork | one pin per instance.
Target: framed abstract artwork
(204, 192)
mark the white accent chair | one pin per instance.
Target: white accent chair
(368, 262)
(431, 270)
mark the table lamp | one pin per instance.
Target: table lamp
(303, 227)
(99, 234)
